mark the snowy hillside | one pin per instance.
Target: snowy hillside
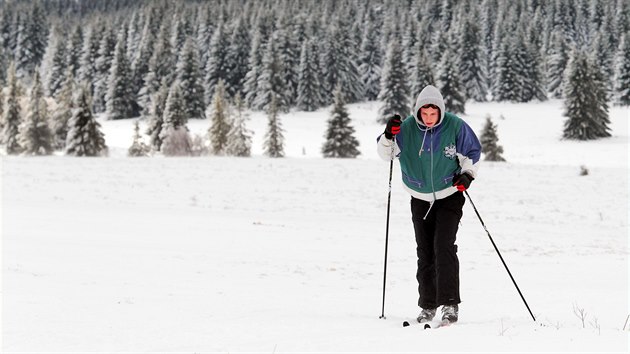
(217, 254)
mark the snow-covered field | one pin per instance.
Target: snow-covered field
(218, 254)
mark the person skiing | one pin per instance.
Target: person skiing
(439, 155)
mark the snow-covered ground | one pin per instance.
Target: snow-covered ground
(219, 254)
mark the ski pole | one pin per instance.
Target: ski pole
(501, 257)
(389, 198)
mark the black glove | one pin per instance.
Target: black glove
(393, 126)
(462, 181)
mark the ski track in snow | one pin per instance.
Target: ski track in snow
(223, 254)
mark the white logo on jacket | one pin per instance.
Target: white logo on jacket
(450, 151)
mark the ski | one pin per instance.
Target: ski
(429, 325)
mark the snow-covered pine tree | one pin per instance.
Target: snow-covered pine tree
(217, 65)
(120, 97)
(472, 67)
(340, 139)
(450, 85)
(3, 65)
(289, 55)
(329, 60)
(141, 59)
(237, 58)
(57, 68)
(160, 67)
(273, 145)
(490, 141)
(309, 97)
(394, 90)
(349, 76)
(506, 78)
(190, 77)
(531, 85)
(62, 113)
(422, 74)
(74, 49)
(12, 114)
(250, 87)
(239, 140)
(156, 116)
(558, 60)
(31, 41)
(370, 59)
(87, 67)
(586, 107)
(1, 109)
(106, 53)
(220, 118)
(176, 140)
(270, 81)
(622, 72)
(138, 148)
(84, 135)
(35, 137)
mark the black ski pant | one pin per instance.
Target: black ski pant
(438, 265)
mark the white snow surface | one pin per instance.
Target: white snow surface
(229, 255)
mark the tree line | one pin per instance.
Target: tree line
(128, 55)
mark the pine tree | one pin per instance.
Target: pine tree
(237, 58)
(31, 41)
(87, 68)
(506, 73)
(340, 139)
(585, 104)
(270, 81)
(622, 72)
(309, 98)
(106, 53)
(531, 86)
(175, 138)
(3, 65)
(471, 68)
(57, 68)
(12, 114)
(370, 60)
(35, 137)
(289, 56)
(62, 113)
(190, 78)
(349, 76)
(217, 65)
(274, 139)
(140, 61)
(138, 148)
(450, 84)
(394, 91)
(74, 49)
(220, 126)
(558, 60)
(250, 87)
(120, 98)
(84, 135)
(160, 67)
(239, 140)
(156, 116)
(329, 64)
(489, 142)
(422, 74)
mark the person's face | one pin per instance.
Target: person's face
(429, 115)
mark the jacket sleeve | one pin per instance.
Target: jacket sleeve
(468, 150)
(384, 147)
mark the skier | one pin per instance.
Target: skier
(438, 154)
